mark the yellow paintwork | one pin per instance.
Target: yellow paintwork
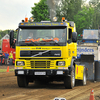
(79, 70)
(52, 62)
(67, 52)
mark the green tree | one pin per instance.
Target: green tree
(0, 43)
(84, 18)
(68, 8)
(15, 34)
(96, 16)
(4, 32)
(40, 11)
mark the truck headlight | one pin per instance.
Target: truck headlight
(20, 63)
(61, 63)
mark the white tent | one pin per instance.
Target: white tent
(5, 37)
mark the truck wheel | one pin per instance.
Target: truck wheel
(69, 81)
(83, 82)
(22, 81)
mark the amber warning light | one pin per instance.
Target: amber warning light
(63, 18)
(26, 19)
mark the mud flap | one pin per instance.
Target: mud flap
(79, 70)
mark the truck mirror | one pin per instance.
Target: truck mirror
(74, 37)
(17, 29)
(11, 38)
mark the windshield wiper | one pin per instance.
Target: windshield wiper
(33, 43)
(22, 43)
(49, 41)
(54, 42)
(26, 43)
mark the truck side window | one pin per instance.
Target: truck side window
(70, 35)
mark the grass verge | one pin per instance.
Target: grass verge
(4, 70)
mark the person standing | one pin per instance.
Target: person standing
(6, 58)
(11, 58)
(1, 57)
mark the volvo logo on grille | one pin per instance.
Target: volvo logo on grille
(40, 53)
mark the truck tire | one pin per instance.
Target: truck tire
(69, 81)
(83, 82)
(22, 81)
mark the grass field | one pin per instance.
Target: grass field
(4, 70)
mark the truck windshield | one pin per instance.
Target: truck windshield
(42, 37)
(90, 34)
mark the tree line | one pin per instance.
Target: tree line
(85, 15)
(4, 32)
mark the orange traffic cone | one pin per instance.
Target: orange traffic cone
(92, 95)
(8, 69)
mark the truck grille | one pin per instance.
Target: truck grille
(40, 53)
(40, 64)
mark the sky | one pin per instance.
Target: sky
(13, 11)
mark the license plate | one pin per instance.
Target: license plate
(40, 73)
(20, 72)
(59, 72)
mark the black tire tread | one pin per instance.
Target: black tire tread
(22, 81)
(68, 82)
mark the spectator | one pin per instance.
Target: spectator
(3, 54)
(6, 58)
(11, 58)
(1, 57)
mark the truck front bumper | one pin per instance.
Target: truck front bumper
(51, 72)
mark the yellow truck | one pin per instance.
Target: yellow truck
(46, 51)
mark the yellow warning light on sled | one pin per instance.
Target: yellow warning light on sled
(22, 23)
(61, 23)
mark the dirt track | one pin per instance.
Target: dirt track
(10, 91)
